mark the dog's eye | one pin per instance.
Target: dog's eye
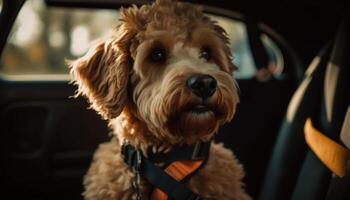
(205, 53)
(157, 55)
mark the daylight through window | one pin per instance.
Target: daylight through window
(43, 37)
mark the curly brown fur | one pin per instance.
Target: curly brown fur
(148, 103)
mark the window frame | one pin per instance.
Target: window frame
(8, 15)
(289, 54)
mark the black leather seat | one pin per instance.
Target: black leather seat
(294, 171)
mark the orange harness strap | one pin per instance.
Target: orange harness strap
(178, 170)
(333, 155)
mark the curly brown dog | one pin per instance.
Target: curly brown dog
(162, 79)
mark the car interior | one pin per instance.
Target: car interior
(293, 64)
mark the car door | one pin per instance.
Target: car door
(47, 137)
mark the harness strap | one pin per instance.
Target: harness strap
(160, 179)
(178, 170)
(333, 155)
(199, 151)
(167, 182)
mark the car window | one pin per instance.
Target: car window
(44, 37)
(242, 56)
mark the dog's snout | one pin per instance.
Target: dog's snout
(202, 85)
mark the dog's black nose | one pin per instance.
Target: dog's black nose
(202, 85)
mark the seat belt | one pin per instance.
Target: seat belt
(339, 187)
(333, 155)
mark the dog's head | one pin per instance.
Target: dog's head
(169, 66)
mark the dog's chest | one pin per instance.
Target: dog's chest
(110, 178)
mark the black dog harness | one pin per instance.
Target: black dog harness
(167, 185)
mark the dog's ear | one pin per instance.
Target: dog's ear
(102, 75)
(229, 66)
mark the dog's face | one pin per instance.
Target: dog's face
(169, 66)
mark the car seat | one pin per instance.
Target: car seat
(294, 171)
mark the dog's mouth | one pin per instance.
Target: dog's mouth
(200, 109)
(197, 119)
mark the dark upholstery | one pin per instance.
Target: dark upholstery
(294, 171)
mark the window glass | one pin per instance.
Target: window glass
(43, 37)
(242, 56)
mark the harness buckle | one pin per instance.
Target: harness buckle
(132, 156)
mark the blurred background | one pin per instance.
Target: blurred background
(44, 37)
